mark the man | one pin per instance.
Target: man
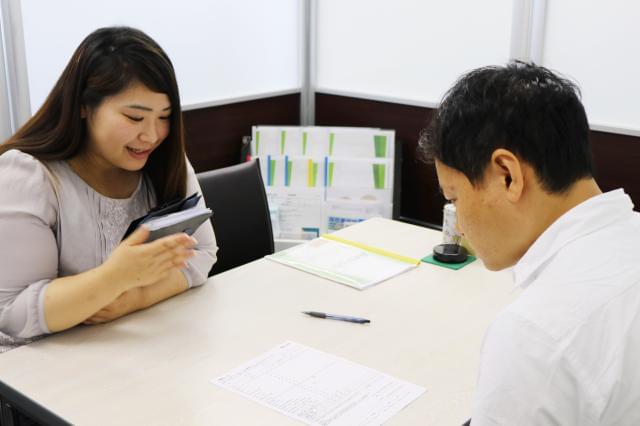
(511, 150)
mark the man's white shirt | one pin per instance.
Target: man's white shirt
(567, 351)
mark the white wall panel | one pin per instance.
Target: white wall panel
(222, 49)
(597, 43)
(409, 50)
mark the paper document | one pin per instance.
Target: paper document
(338, 214)
(318, 388)
(361, 143)
(299, 213)
(364, 173)
(345, 261)
(315, 141)
(267, 141)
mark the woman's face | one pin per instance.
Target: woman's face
(125, 128)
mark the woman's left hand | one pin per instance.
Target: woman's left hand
(129, 301)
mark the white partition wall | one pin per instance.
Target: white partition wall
(406, 51)
(221, 50)
(597, 43)
(5, 106)
(409, 51)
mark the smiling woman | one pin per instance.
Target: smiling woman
(106, 146)
(122, 131)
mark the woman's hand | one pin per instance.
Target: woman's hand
(129, 301)
(136, 264)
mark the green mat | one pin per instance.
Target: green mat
(455, 266)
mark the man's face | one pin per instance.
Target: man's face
(484, 216)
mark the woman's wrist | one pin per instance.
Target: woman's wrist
(112, 279)
(142, 297)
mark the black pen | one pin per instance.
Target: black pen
(337, 317)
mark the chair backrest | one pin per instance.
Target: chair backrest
(240, 218)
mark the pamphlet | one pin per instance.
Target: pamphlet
(346, 262)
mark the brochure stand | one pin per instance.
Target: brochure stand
(321, 179)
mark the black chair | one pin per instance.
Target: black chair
(16, 409)
(240, 218)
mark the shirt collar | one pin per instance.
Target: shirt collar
(585, 218)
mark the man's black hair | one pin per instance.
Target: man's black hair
(524, 108)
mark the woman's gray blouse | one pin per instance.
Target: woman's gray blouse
(52, 224)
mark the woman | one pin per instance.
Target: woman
(106, 146)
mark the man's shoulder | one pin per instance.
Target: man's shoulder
(583, 280)
(588, 292)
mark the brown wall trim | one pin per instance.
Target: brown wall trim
(617, 163)
(616, 156)
(214, 135)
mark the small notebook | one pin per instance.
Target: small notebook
(182, 215)
(346, 262)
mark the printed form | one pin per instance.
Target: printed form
(318, 388)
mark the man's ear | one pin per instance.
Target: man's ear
(83, 112)
(507, 168)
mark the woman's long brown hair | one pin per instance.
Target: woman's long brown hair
(107, 62)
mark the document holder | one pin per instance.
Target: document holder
(176, 216)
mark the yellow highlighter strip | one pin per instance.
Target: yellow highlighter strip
(375, 250)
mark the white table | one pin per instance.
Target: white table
(155, 366)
